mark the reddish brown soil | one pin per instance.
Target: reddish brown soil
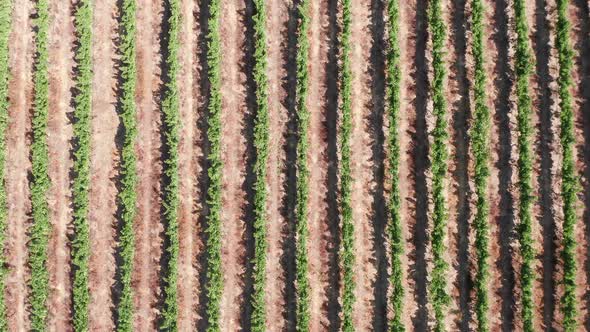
(18, 166)
(233, 214)
(277, 17)
(103, 166)
(503, 172)
(199, 90)
(406, 132)
(580, 23)
(457, 187)
(363, 215)
(547, 212)
(61, 35)
(318, 165)
(147, 227)
(500, 199)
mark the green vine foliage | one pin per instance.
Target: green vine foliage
(171, 125)
(302, 185)
(81, 182)
(481, 153)
(214, 286)
(393, 88)
(439, 156)
(523, 68)
(261, 141)
(127, 196)
(41, 183)
(569, 184)
(347, 253)
(5, 28)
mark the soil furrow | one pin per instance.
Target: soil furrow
(548, 163)
(580, 30)
(200, 102)
(319, 233)
(187, 171)
(18, 165)
(502, 211)
(277, 16)
(233, 216)
(497, 103)
(103, 170)
(459, 193)
(148, 227)
(61, 35)
(361, 163)
(376, 130)
(407, 135)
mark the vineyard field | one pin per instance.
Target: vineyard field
(298, 165)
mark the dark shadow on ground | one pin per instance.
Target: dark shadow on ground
(542, 49)
(501, 110)
(461, 115)
(420, 159)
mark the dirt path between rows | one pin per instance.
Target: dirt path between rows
(234, 162)
(18, 166)
(459, 195)
(59, 133)
(363, 213)
(148, 228)
(547, 222)
(103, 169)
(547, 163)
(407, 119)
(277, 16)
(319, 231)
(503, 173)
(580, 25)
(187, 170)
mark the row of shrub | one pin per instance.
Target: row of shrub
(302, 185)
(214, 286)
(523, 68)
(81, 166)
(41, 183)
(5, 28)
(347, 252)
(569, 181)
(481, 154)
(393, 89)
(127, 196)
(170, 201)
(439, 156)
(261, 141)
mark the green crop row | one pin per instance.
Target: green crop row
(481, 153)
(393, 88)
(569, 184)
(261, 138)
(347, 251)
(439, 155)
(214, 285)
(171, 126)
(302, 185)
(5, 28)
(523, 67)
(81, 182)
(41, 183)
(127, 196)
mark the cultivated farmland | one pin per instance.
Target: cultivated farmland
(299, 165)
